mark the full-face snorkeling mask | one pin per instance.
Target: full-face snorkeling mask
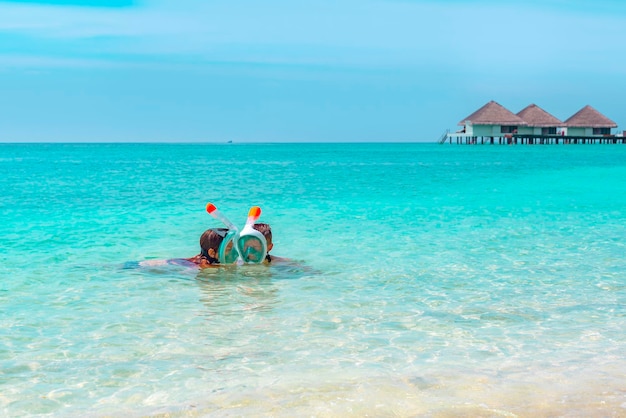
(227, 252)
(251, 244)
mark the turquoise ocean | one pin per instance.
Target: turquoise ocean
(426, 280)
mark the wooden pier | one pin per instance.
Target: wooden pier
(524, 139)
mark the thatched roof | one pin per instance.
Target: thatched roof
(493, 114)
(588, 117)
(533, 115)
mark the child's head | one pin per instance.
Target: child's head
(210, 242)
(266, 230)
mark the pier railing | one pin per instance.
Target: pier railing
(443, 137)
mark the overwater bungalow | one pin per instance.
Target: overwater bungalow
(540, 124)
(539, 121)
(589, 122)
(490, 122)
(493, 123)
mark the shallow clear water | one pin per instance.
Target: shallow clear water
(431, 280)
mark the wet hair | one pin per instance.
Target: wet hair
(266, 230)
(211, 238)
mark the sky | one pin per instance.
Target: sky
(298, 71)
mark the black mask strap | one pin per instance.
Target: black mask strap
(208, 258)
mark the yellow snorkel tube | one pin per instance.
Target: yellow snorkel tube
(227, 253)
(251, 244)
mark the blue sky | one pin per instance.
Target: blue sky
(298, 71)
